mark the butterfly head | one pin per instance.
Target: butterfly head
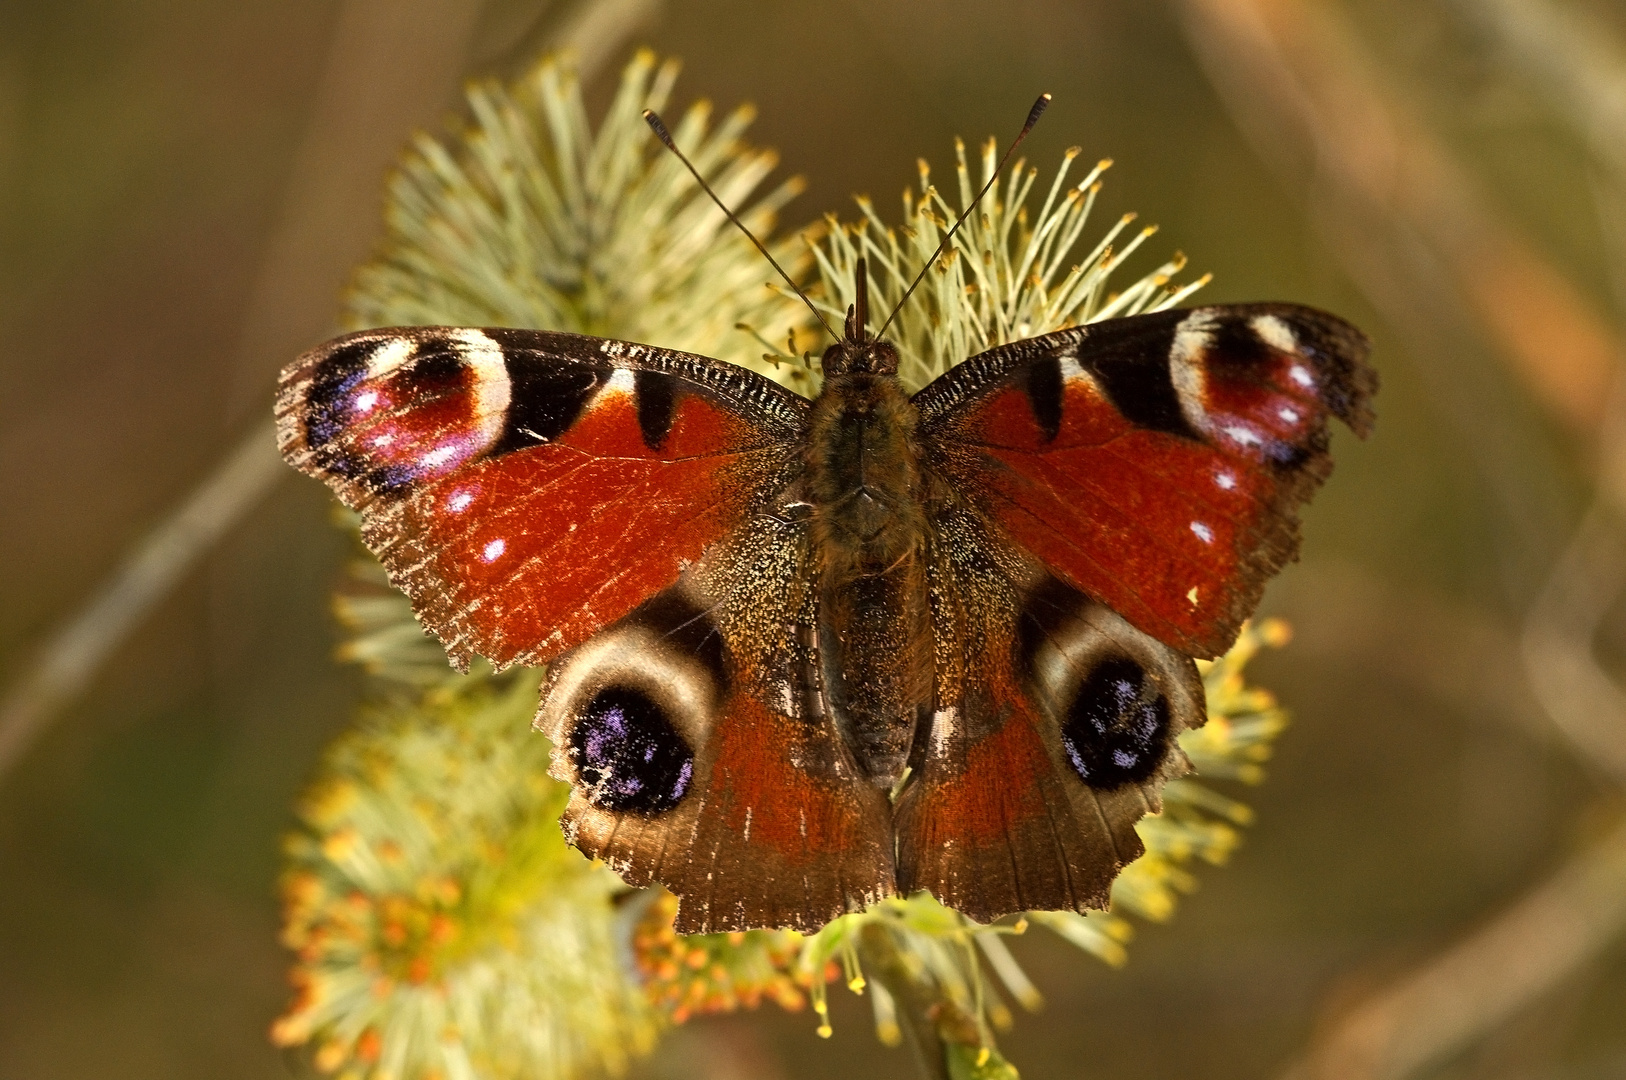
(870, 357)
(857, 353)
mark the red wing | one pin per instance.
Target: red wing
(763, 838)
(1054, 727)
(700, 756)
(1155, 463)
(526, 488)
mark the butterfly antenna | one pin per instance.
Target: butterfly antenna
(665, 137)
(1033, 118)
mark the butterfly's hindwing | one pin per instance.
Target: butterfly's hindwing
(1054, 727)
(526, 488)
(703, 756)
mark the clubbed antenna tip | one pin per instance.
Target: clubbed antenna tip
(660, 131)
(1034, 113)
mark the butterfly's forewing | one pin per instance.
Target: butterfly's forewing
(1155, 463)
(526, 488)
(1119, 495)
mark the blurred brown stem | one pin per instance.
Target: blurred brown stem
(1572, 58)
(1579, 696)
(1447, 1003)
(1299, 83)
(1415, 234)
(375, 89)
(72, 655)
(1581, 69)
(1461, 655)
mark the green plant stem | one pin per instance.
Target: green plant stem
(918, 1002)
(927, 1020)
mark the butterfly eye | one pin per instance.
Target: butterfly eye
(628, 755)
(390, 411)
(628, 707)
(1118, 696)
(1116, 728)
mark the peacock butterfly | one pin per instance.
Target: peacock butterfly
(807, 654)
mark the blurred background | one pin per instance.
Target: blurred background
(1436, 885)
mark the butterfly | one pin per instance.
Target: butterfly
(805, 654)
